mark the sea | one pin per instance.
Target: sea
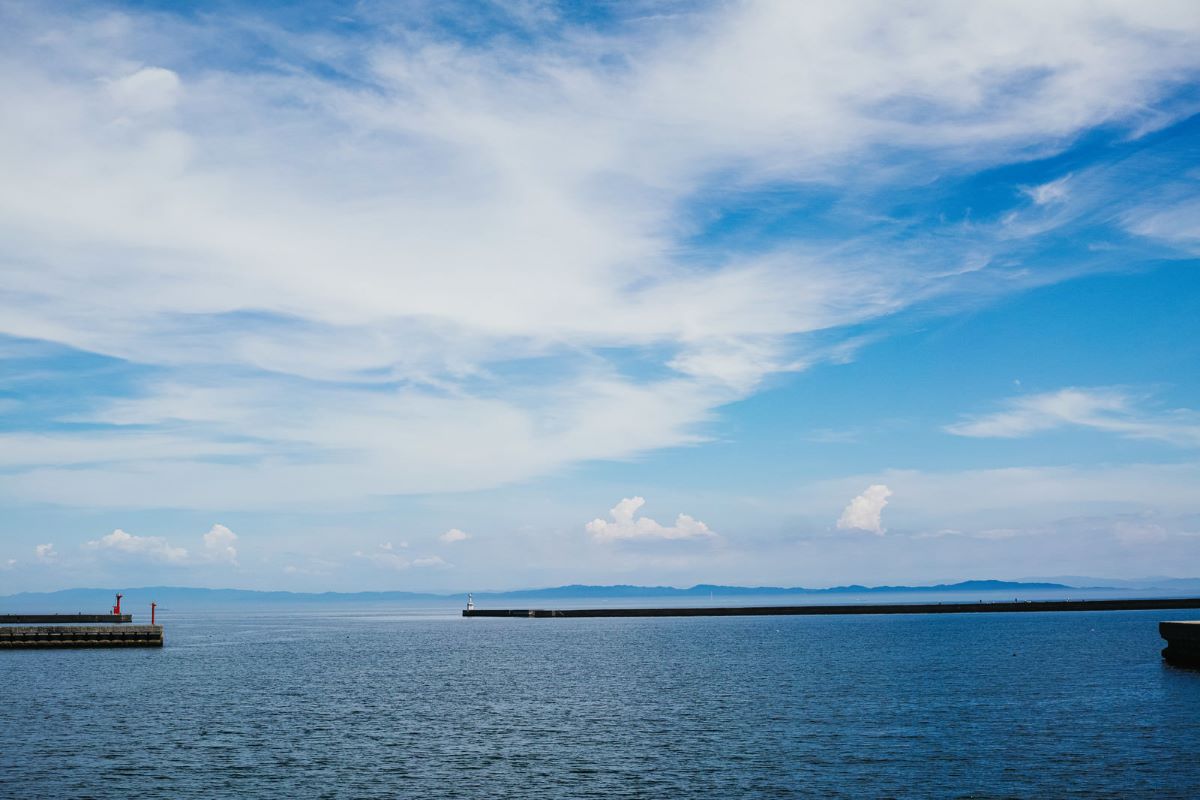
(404, 702)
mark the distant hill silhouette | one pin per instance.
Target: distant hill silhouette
(189, 597)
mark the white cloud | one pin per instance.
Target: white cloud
(386, 557)
(45, 553)
(218, 544)
(454, 535)
(1112, 410)
(312, 566)
(1177, 222)
(149, 90)
(112, 447)
(149, 548)
(337, 445)
(1052, 192)
(217, 547)
(8, 564)
(624, 527)
(864, 512)
(488, 205)
(1016, 497)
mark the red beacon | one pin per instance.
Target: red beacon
(117, 608)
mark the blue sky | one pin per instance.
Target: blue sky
(449, 296)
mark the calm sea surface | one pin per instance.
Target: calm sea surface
(370, 703)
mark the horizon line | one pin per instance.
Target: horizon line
(658, 587)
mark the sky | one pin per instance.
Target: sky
(451, 296)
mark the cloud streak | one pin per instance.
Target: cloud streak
(1111, 410)
(386, 557)
(435, 212)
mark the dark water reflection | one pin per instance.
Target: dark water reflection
(396, 704)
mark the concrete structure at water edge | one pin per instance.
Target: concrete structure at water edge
(63, 619)
(1183, 642)
(45, 631)
(41, 637)
(1138, 604)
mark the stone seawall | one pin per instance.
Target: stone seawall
(51, 636)
(881, 608)
(62, 619)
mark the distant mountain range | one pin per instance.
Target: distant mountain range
(187, 597)
(1155, 582)
(706, 589)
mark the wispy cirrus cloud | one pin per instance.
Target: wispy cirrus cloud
(387, 557)
(370, 230)
(1109, 409)
(1050, 192)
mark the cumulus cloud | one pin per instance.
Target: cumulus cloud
(218, 544)
(217, 547)
(430, 561)
(972, 501)
(45, 553)
(625, 527)
(864, 512)
(1113, 410)
(150, 548)
(454, 535)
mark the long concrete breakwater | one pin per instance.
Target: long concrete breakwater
(1141, 604)
(62, 619)
(55, 636)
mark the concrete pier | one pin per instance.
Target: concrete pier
(1183, 642)
(54, 636)
(62, 619)
(880, 608)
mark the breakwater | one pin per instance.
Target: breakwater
(62, 619)
(1183, 642)
(55, 636)
(876, 608)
